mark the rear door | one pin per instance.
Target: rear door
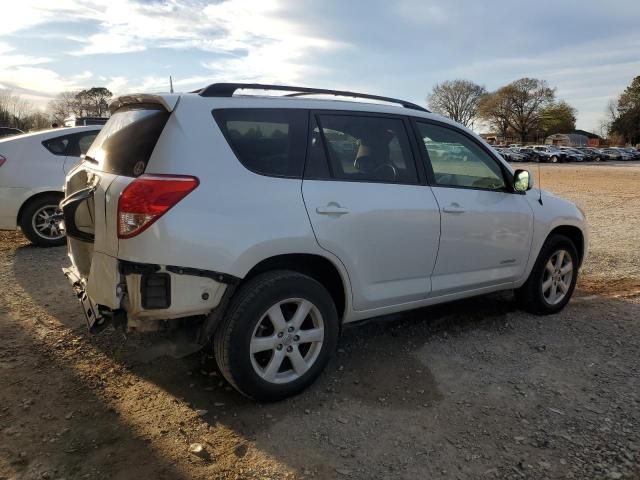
(119, 153)
(369, 206)
(486, 227)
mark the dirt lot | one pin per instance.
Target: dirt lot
(473, 389)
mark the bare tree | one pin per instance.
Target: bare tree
(457, 99)
(528, 97)
(64, 105)
(15, 111)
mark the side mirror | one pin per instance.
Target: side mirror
(522, 181)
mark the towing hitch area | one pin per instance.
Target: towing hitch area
(98, 318)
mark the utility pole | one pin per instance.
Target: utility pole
(170, 84)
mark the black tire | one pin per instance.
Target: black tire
(554, 159)
(247, 308)
(530, 296)
(27, 220)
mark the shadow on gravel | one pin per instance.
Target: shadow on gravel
(376, 377)
(52, 425)
(375, 364)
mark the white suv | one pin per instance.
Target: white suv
(265, 223)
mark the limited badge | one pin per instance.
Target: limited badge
(138, 168)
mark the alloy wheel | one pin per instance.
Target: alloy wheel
(557, 277)
(287, 340)
(46, 223)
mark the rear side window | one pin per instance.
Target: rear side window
(266, 141)
(363, 148)
(126, 142)
(57, 146)
(73, 145)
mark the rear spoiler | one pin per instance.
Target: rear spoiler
(167, 100)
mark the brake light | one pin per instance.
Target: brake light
(2, 160)
(149, 197)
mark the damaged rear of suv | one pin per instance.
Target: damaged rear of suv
(262, 224)
(110, 201)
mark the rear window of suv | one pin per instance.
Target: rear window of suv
(126, 142)
(266, 141)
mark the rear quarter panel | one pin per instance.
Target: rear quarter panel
(29, 169)
(234, 219)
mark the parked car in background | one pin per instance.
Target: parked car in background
(32, 171)
(610, 154)
(549, 153)
(510, 155)
(573, 154)
(591, 154)
(624, 154)
(74, 121)
(529, 153)
(266, 223)
(9, 131)
(635, 154)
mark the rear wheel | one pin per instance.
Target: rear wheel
(553, 278)
(554, 159)
(277, 336)
(39, 222)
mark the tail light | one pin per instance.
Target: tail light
(149, 197)
(2, 160)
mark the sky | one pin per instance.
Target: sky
(588, 50)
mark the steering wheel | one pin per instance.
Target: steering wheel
(386, 171)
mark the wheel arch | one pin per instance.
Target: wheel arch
(316, 266)
(33, 197)
(574, 234)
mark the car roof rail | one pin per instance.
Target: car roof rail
(228, 89)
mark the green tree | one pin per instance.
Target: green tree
(94, 102)
(558, 117)
(627, 122)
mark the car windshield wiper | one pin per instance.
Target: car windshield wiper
(89, 159)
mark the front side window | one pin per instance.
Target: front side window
(458, 161)
(267, 141)
(364, 148)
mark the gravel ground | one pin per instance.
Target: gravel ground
(472, 389)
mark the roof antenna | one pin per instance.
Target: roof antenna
(170, 84)
(539, 180)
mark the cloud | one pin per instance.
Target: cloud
(9, 60)
(400, 48)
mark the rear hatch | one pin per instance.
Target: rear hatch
(119, 154)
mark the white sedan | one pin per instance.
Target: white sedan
(32, 171)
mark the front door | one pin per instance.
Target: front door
(368, 207)
(486, 227)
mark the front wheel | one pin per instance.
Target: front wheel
(554, 159)
(277, 335)
(553, 278)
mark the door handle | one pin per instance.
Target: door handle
(332, 209)
(454, 208)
